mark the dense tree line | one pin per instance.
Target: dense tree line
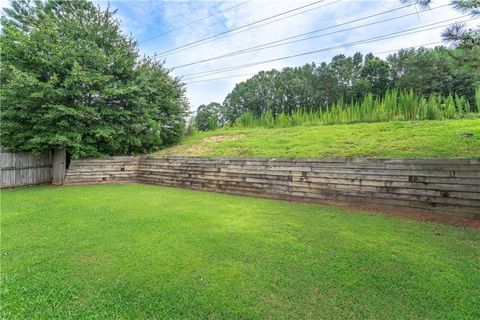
(438, 74)
(314, 87)
(71, 79)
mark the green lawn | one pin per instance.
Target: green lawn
(140, 251)
(404, 139)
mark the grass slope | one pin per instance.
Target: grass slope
(433, 139)
(139, 251)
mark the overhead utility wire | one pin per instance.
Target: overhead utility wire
(314, 31)
(320, 50)
(252, 73)
(193, 22)
(374, 39)
(250, 28)
(228, 77)
(240, 27)
(412, 47)
(223, 70)
(277, 43)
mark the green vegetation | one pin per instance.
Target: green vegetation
(207, 117)
(405, 139)
(393, 106)
(465, 38)
(95, 252)
(71, 79)
(316, 88)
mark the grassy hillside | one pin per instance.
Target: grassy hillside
(415, 139)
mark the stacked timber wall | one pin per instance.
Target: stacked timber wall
(414, 185)
(24, 168)
(104, 170)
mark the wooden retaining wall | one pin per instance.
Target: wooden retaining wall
(103, 170)
(24, 168)
(440, 186)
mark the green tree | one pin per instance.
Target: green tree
(376, 73)
(161, 107)
(72, 79)
(208, 116)
(465, 40)
(349, 79)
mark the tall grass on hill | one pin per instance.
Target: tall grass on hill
(477, 99)
(394, 106)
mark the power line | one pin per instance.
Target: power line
(375, 53)
(251, 28)
(412, 47)
(377, 38)
(373, 39)
(240, 27)
(228, 77)
(278, 43)
(193, 22)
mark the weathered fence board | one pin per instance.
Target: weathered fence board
(59, 167)
(24, 168)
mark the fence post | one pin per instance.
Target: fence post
(59, 166)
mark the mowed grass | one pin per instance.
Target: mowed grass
(402, 139)
(149, 252)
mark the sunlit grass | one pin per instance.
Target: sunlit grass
(148, 252)
(405, 139)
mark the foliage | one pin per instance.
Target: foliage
(403, 105)
(72, 79)
(164, 97)
(103, 252)
(466, 41)
(395, 139)
(191, 128)
(460, 35)
(315, 88)
(208, 117)
(477, 98)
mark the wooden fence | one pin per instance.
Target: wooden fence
(24, 168)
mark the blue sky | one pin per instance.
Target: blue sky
(145, 19)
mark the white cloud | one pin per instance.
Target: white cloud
(216, 91)
(205, 92)
(148, 18)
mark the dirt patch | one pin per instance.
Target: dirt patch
(89, 258)
(202, 148)
(422, 216)
(406, 213)
(216, 139)
(183, 150)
